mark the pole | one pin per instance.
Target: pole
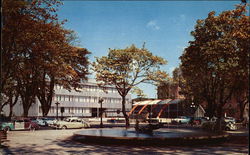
(100, 101)
(57, 110)
(101, 125)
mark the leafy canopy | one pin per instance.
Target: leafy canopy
(126, 68)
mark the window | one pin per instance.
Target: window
(92, 99)
(66, 98)
(58, 98)
(70, 98)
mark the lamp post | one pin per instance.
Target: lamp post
(57, 110)
(193, 107)
(100, 101)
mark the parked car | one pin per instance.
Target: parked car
(229, 119)
(49, 121)
(22, 124)
(230, 126)
(182, 119)
(199, 120)
(210, 125)
(6, 126)
(40, 122)
(71, 122)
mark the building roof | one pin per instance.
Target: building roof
(153, 102)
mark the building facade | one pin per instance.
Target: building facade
(84, 103)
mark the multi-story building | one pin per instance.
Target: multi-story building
(84, 103)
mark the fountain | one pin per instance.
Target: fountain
(147, 128)
(149, 134)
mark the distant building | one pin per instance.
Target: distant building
(166, 108)
(82, 104)
(169, 90)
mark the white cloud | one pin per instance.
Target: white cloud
(153, 25)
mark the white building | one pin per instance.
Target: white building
(84, 103)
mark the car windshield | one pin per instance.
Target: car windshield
(67, 120)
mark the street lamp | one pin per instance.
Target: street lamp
(57, 110)
(100, 101)
(193, 107)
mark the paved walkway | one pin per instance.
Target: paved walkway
(58, 142)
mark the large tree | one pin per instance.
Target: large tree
(127, 68)
(38, 53)
(218, 58)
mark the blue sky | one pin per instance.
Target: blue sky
(165, 26)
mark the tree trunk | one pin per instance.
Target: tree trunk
(25, 111)
(124, 111)
(211, 109)
(11, 107)
(218, 123)
(45, 97)
(11, 111)
(27, 102)
(242, 105)
(12, 103)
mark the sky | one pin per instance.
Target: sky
(164, 26)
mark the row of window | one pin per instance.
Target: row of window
(90, 88)
(89, 99)
(73, 110)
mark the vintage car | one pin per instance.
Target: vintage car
(199, 120)
(39, 121)
(22, 124)
(225, 125)
(71, 122)
(181, 119)
(49, 121)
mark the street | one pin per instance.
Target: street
(59, 142)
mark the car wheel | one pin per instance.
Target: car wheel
(6, 129)
(64, 127)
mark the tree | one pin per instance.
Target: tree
(25, 26)
(73, 70)
(172, 87)
(217, 58)
(166, 90)
(126, 68)
(140, 94)
(38, 52)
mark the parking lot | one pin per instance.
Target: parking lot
(51, 141)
